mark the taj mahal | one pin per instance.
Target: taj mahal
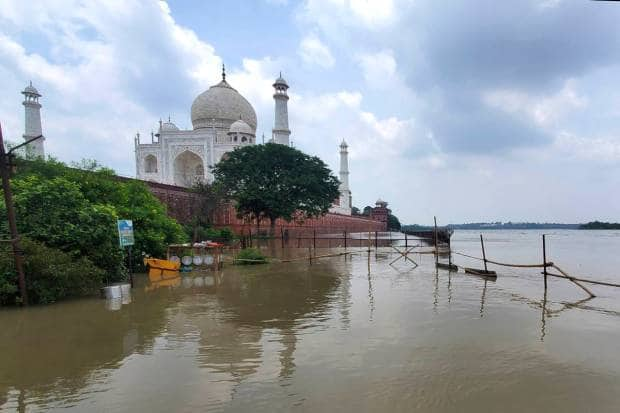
(222, 121)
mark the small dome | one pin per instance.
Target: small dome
(221, 102)
(380, 201)
(168, 127)
(241, 127)
(31, 90)
(280, 81)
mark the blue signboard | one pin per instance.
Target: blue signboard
(125, 232)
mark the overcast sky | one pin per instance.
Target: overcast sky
(465, 109)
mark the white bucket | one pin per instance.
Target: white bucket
(113, 305)
(112, 292)
(125, 289)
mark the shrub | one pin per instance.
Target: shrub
(250, 256)
(51, 275)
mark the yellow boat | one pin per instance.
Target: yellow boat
(162, 269)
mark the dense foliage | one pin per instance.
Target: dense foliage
(276, 181)
(600, 225)
(393, 223)
(73, 212)
(52, 275)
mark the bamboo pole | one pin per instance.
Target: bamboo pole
(369, 244)
(449, 252)
(572, 279)
(484, 256)
(317, 256)
(545, 260)
(436, 243)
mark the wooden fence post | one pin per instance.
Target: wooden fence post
(314, 239)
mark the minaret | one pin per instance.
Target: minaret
(33, 121)
(345, 192)
(281, 132)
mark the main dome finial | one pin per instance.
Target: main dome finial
(223, 72)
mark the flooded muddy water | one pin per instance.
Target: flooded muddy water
(330, 336)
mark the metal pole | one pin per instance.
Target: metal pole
(545, 260)
(345, 240)
(376, 241)
(405, 240)
(130, 268)
(10, 212)
(484, 256)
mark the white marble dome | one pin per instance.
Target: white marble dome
(241, 127)
(169, 127)
(222, 102)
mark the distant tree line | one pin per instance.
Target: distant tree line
(496, 225)
(600, 225)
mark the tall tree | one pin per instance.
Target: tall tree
(276, 181)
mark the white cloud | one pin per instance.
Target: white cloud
(379, 69)
(369, 14)
(109, 69)
(592, 149)
(313, 51)
(543, 110)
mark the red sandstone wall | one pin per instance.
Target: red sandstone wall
(328, 223)
(182, 203)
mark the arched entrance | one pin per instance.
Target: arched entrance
(188, 169)
(150, 164)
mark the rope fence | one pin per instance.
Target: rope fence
(547, 264)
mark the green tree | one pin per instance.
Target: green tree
(393, 223)
(276, 181)
(367, 210)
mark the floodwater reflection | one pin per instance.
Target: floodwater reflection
(324, 336)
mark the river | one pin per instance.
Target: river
(330, 336)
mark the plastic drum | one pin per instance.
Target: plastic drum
(186, 260)
(174, 258)
(197, 260)
(208, 259)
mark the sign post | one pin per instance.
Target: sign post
(126, 239)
